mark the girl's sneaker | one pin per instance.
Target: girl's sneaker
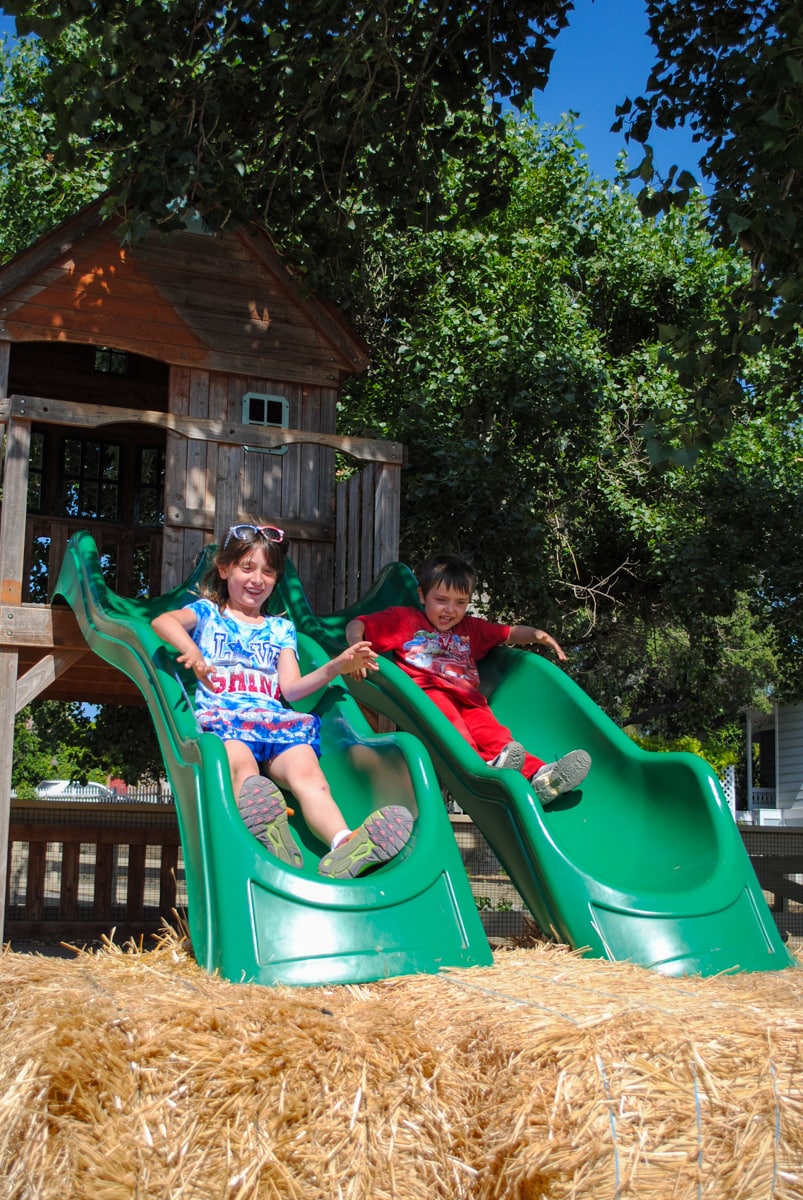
(265, 813)
(380, 838)
(556, 778)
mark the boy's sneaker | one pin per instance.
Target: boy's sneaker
(380, 838)
(264, 811)
(510, 757)
(556, 778)
(448, 799)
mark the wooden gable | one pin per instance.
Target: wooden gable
(222, 302)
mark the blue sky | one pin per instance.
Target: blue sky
(603, 56)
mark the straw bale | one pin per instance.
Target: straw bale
(546, 1076)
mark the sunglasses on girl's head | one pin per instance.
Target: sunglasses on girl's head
(247, 533)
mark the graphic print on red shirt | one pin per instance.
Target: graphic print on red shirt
(445, 661)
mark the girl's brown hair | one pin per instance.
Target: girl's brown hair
(215, 588)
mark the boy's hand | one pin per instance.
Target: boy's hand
(357, 660)
(546, 639)
(355, 631)
(527, 635)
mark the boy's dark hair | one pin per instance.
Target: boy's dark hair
(447, 570)
(216, 589)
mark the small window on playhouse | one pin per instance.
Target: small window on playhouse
(271, 412)
(110, 362)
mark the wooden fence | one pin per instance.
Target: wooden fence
(79, 871)
(777, 858)
(367, 522)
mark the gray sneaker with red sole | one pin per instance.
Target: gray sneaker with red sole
(265, 813)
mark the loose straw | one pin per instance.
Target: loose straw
(546, 1076)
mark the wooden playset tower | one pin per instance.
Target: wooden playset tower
(153, 395)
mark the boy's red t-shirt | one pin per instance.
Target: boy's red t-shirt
(445, 661)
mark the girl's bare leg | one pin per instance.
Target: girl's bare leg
(241, 763)
(298, 769)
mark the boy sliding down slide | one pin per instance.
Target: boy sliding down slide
(246, 665)
(439, 649)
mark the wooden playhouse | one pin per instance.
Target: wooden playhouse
(153, 395)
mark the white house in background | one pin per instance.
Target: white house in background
(775, 765)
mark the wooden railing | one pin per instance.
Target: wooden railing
(131, 557)
(83, 870)
(367, 518)
(77, 872)
(366, 521)
(777, 858)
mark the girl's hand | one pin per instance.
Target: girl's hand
(357, 661)
(193, 661)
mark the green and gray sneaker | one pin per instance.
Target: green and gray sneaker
(264, 811)
(380, 838)
(556, 778)
(511, 757)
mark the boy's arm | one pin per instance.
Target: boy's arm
(525, 635)
(355, 631)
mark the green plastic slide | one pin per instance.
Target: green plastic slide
(643, 862)
(250, 917)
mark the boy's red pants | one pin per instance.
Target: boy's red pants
(481, 729)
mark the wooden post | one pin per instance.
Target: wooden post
(15, 506)
(8, 681)
(12, 545)
(227, 498)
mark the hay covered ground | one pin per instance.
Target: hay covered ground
(135, 1074)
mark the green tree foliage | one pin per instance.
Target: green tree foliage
(317, 118)
(325, 122)
(518, 357)
(36, 191)
(54, 740)
(50, 742)
(32, 761)
(720, 754)
(124, 740)
(733, 73)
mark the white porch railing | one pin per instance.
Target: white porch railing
(763, 797)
